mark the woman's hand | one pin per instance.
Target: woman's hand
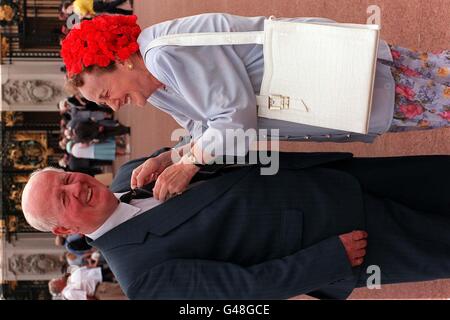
(174, 180)
(149, 170)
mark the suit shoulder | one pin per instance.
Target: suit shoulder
(121, 181)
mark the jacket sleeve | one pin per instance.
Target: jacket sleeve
(307, 270)
(215, 84)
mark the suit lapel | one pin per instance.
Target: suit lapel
(179, 209)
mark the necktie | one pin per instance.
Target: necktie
(146, 191)
(138, 193)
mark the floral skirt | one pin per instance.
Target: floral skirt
(422, 86)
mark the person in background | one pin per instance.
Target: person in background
(99, 151)
(89, 131)
(90, 8)
(85, 283)
(88, 166)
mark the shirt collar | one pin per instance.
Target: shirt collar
(123, 212)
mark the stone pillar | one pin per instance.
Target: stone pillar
(2, 249)
(30, 257)
(31, 86)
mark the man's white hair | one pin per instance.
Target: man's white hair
(42, 221)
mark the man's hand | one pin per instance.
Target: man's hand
(148, 171)
(355, 244)
(174, 180)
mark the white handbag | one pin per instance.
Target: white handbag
(318, 74)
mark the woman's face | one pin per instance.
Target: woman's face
(117, 88)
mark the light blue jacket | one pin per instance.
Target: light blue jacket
(216, 85)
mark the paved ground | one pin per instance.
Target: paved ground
(419, 24)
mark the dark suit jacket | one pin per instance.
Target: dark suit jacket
(242, 235)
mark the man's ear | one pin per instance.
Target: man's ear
(60, 231)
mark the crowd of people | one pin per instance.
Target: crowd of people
(90, 137)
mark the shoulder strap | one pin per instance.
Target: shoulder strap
(208, 39)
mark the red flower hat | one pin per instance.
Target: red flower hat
(100, 41)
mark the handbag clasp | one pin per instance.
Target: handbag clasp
(278, 102)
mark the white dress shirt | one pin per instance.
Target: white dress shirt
(123, 213)
(82, 283)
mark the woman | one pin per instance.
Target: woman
(212, 88)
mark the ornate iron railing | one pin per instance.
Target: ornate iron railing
(35, 33)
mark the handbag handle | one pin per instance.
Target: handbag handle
(208, 39)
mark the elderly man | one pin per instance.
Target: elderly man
(236, 234)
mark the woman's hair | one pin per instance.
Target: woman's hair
(76, 81)
(99, 42)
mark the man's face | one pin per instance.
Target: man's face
(115, 88)
(80, 202)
